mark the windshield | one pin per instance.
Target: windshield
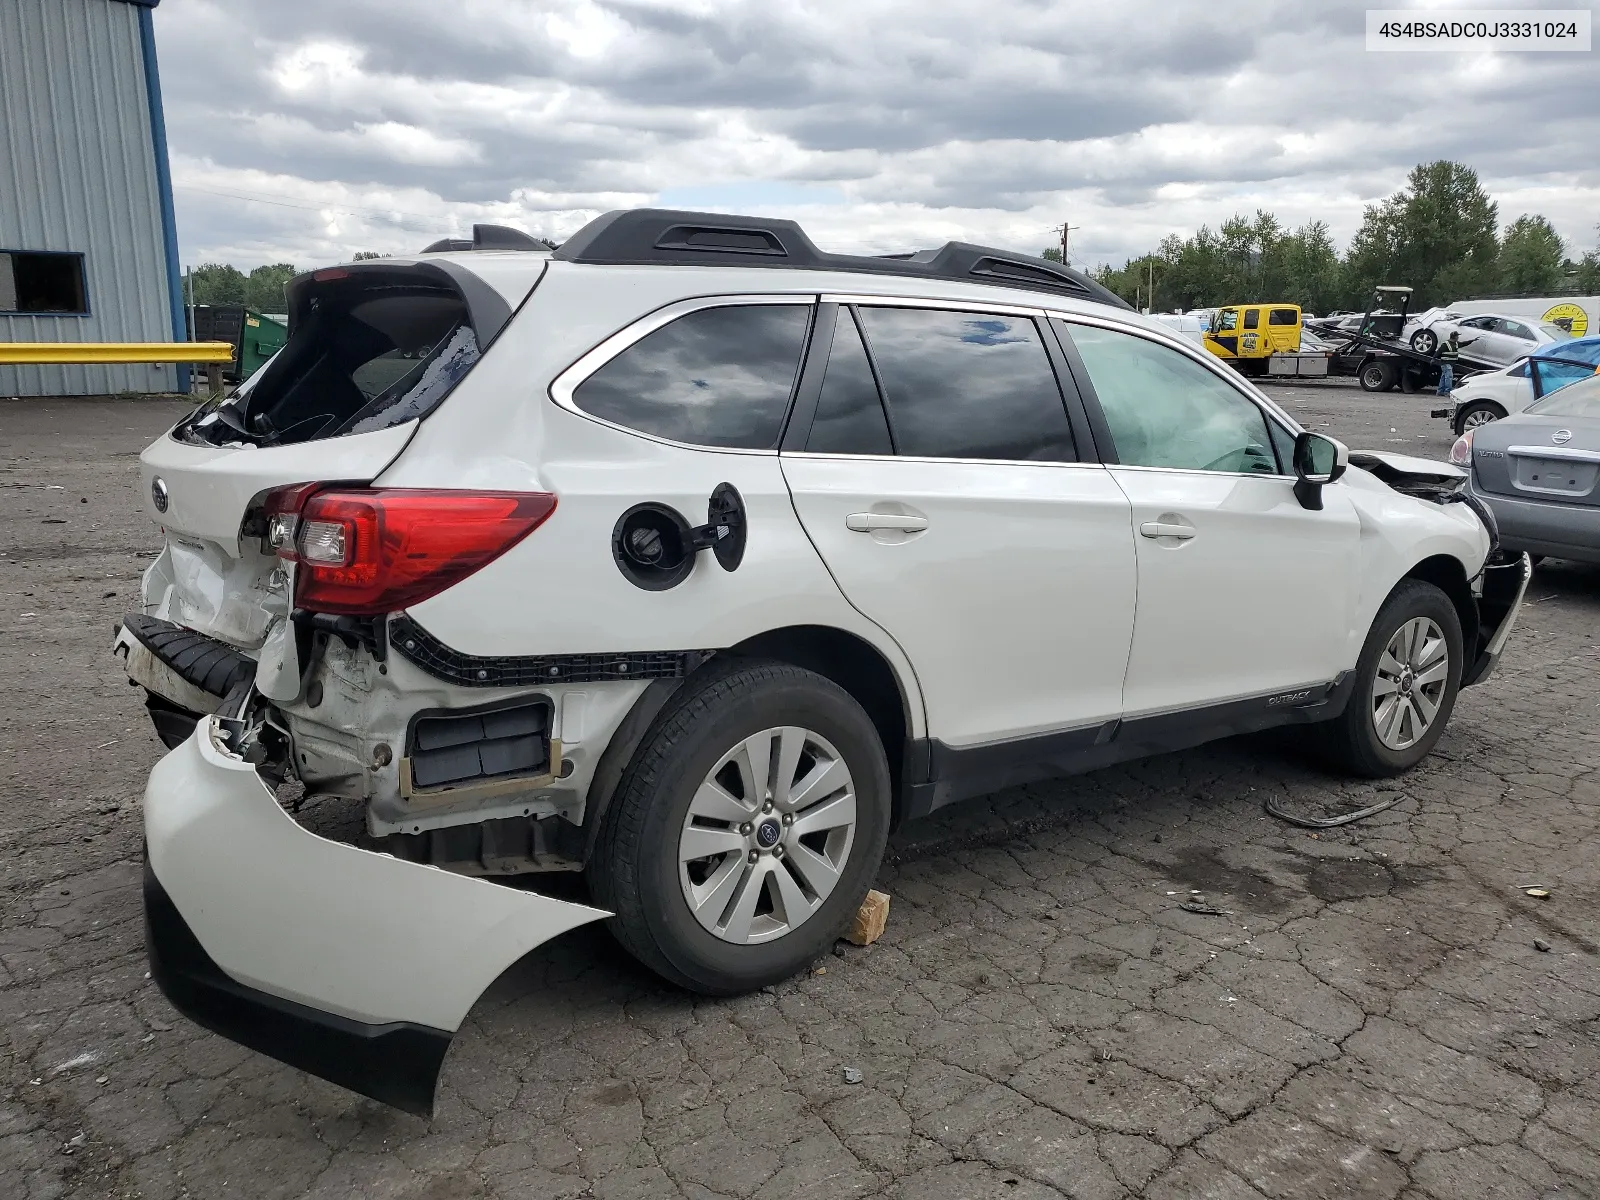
(1578, 399)
(365, 353)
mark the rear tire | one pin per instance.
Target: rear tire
(1377, 376)
(1399, 707)
(731, 746)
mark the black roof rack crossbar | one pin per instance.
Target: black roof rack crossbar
(490, 237)
(660, 236)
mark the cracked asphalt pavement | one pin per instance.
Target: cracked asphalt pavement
(1374, 1011)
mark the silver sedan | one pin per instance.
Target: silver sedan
(1487, 337)
(1539, 472)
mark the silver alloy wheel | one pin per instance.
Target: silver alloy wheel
(767, 835)
(1409, 685)
(1477, 418)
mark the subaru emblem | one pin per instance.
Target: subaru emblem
(1561, 437)
(158, 494)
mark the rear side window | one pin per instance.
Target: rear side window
(1283, 316)
(850, 418)
(1252, 318)
(717, 377)
(968, 385)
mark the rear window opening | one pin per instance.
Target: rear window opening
(367, 350)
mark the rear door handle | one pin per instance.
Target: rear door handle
(1161, 529)
(871, 522)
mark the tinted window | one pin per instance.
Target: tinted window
(717, 377)
(968, 385)
(1517, 330)
(1166, 410)
(1252, 318)
(1283, 316)
(1581, 399)
(850, 417)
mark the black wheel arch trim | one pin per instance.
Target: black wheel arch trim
(396, 1063)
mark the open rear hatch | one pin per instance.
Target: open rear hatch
(373, 348)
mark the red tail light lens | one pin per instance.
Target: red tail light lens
(369, 551)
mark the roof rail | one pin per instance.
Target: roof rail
(490, 237)
(658, 236)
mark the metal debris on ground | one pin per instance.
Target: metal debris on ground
(1207, 910)
(1282, 814)
(1541, 945)
(1538, 893)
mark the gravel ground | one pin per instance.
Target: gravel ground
(1371, 1015)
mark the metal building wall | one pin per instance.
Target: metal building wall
(78, 171)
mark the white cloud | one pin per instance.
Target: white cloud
(382, 124)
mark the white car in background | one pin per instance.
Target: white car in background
(1488, 337)
(1490, 396)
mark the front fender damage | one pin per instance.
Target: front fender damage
(352, 965)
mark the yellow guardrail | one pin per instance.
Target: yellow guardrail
(40, 353)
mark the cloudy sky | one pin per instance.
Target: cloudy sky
(307, 130)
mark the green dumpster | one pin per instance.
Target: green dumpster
(255, 337)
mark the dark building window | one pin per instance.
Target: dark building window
(42, 282)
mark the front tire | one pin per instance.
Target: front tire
(1478, 413)
(746, 831)
(1405, 687)
(1424, 341)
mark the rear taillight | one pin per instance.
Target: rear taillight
(1461, 452)
(370, 551)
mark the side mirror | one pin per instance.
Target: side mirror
(1318, 461)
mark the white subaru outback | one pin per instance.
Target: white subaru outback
(694, 559)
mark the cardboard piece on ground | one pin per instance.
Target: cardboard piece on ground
(871, 917)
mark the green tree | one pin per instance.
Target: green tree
(264, 292)
(1532, 257)
(1437, 234)
(364, 255)
(218, 283)
(1049, 254)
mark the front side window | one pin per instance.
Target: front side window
(1165, 410)
(850, 418)
(716, 377)
(1227, 320)
(968, 385)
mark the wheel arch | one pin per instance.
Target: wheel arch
(845, 658)
(1446, 572)
(858, 667)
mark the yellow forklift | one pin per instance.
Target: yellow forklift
(1246, 336)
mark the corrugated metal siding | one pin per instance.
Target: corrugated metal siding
(77, 172)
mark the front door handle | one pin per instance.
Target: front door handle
(1161, 529)
(871, 522)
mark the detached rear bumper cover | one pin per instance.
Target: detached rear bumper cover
(351, 965)
(1504, 587)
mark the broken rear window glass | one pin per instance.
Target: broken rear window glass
(366, 351)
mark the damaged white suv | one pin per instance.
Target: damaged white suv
(692, 558)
